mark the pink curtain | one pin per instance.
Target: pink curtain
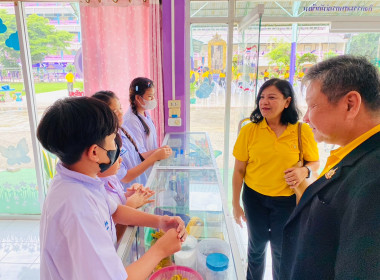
(121, 41)
(155, 35)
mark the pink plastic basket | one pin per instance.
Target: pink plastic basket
(169, 271)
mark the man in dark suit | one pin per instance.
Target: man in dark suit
(334, 232)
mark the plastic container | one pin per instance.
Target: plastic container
(188, 254)
(170, 271)
(217, 265)
(173, 182)
(207, 247)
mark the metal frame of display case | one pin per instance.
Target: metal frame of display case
(126, 242)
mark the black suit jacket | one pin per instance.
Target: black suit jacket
(334, 232)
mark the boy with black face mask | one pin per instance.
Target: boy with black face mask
(76, 228)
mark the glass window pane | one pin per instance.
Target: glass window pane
(209, 9)
(18, 181)
(208, 54)
(314, 43)
(311, 8)
(243, 86)
(55, 46)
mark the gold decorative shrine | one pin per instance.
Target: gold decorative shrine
(217, 53)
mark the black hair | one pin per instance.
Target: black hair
(106, 96)
(138, 87)
(342, 74)
(290, 114)
(72, 125)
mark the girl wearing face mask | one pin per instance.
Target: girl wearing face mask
(137, 119)
(135, 165)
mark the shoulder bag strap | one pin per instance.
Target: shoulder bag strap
(300, 142)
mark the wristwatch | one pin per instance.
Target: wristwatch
(308, 171)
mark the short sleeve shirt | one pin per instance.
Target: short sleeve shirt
(69, 77)
(114, 189)
(268, 157)
(144, 141)
(77, 231)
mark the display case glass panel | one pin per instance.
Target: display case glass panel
(188, 185)
(194, 195)
(191, 149)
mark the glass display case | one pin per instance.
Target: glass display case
(190, 149)
(188, 185)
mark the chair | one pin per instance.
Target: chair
(242, 123)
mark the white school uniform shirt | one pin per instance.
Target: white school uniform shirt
(76, 230)
(133, 124)
(131, 159)
(114, 189)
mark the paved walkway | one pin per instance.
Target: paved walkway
(14, 123)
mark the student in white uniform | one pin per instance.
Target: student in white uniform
(137, 119)
(135, 197)
(76, 226)
(134, 166)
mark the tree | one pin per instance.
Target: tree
(329, 54)
(8, 57)
(310, 58)
(365, 44)
(44, 39)
(70, 68)
(307, 57)
(280, 54)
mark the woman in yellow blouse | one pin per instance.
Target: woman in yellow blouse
(265, 152)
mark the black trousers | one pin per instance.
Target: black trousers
(266, 218)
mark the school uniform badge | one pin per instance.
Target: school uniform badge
(330, 173)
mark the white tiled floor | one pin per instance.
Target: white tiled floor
(19, 250)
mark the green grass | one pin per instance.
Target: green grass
(17, 86)
(45, 87)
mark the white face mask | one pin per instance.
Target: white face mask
(149, 104)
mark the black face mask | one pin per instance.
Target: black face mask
(113, 155)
